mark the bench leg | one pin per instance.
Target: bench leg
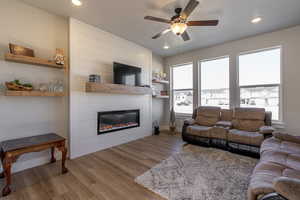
(7, 172)
(64, 157)
(64, 151)
(53, 160)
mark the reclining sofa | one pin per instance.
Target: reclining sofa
(277, 175)
(240, 130)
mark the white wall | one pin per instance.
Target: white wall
(158, 105)
(93, 51)
(289, 39)
(26, 116)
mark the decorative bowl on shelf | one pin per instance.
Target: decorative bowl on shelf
(18, 87)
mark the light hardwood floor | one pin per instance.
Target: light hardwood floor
(104, 175)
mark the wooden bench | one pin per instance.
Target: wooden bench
(10, 150)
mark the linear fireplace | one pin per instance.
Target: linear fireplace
(117, 120)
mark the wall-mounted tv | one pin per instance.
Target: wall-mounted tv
(127, 75)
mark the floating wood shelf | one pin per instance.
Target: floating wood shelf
(160, 81)
(34, 93)
(32, 61)
(161, 97)
(117, 89)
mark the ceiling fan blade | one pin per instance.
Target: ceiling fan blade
(161, 33)
(189, 8)
(185, 36)
(203, 23)
(157, 19)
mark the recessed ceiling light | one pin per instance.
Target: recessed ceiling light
(77, 2)
(256, 20)
(166, 47)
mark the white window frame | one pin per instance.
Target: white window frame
(238, 100)
(199, 76)
(180, 115)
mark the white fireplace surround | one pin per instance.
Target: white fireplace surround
(93, 51)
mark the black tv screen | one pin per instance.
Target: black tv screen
(127, 75)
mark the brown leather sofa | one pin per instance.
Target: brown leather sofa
(240, 130)
(250, 126)
(277, 175)
(197, 129)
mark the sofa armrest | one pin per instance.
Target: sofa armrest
(265, 130)
(287, 137)
(224, 124)
(186, 124)
(288, 187)
(189, 122)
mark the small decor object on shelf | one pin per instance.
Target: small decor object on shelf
(43, 87)
(19, 50)
(164, 93)
(172, 121)
(164, 76)
(159, 76)
(59, 57)
(94, 78)
(16, 85)
(55, 86)
(154, 91)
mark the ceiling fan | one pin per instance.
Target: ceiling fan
(179, 23)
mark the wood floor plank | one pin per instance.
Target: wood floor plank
(103, 175)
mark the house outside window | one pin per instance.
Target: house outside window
(182, 88)
(214, 78)
(260, 80)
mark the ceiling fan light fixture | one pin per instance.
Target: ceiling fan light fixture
(256, 20)
(178, 28)
(166, 47)
(77, 2)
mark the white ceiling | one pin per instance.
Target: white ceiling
(125, 19)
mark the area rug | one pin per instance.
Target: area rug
(199, 173)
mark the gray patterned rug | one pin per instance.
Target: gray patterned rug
(200, 173)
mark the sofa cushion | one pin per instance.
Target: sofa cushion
(291, 173)
(274, 144)
(226, 114)
(218, 133)
(202, 131)
(285, 159)
(208, 116)
(287, 137)
(244, 137)
(250, 113)
(248, 125)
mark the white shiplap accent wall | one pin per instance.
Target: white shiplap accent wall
(93, 51)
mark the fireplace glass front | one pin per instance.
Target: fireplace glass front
(117, 120)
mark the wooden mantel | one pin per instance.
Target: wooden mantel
(117, 89)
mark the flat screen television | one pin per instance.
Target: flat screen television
(127, 75)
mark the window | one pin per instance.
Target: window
(182, 88)
(259, 80)
(215, 82)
